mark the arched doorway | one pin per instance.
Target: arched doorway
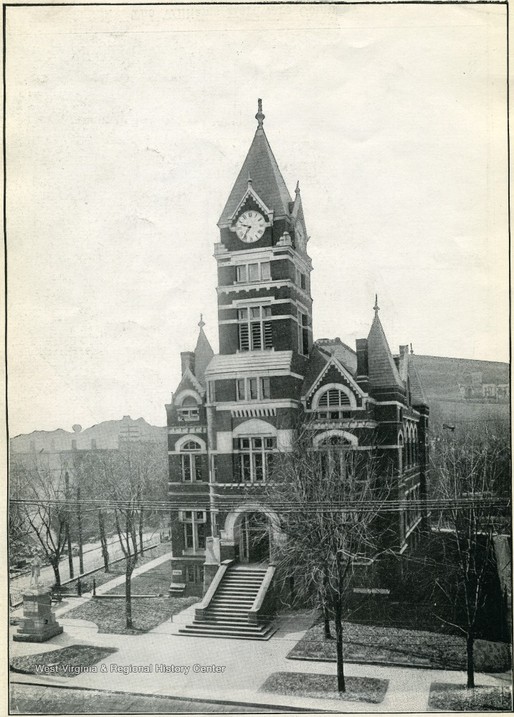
(254, 538)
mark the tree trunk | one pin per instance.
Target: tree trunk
(103, 541)
(141, 531)
(326, 623)
(341, 686)
(128, 592)
(79, 533)
(70, 552)
(134, 539)
(470, 643)
(55, 567)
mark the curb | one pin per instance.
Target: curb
(377, 663)
(232, 703)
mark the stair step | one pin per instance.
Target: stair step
(223, 629)
(230, 626)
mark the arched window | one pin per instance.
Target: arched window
(401, 454)
(188, 410)
(332, 403)
(191, 462)
(408, 447)
(336, 455)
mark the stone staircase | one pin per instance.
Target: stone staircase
(228, 612)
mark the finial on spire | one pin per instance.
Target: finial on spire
(297, 188)
(376, 308)
(411, 349)
(201, 323)
(249, 177)
(259, 116)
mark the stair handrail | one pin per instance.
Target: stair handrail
(261, 594)
(206, 600)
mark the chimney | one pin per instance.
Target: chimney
(187, 360)
(362, 364)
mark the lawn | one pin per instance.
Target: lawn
(303, 684)
(67, 662)
(153, 582)
(365, 643)
(101, 577)
(147, 613)
(445, 696)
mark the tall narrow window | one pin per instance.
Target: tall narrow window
(241, 273)
(265, 387)
(303, 333)
(265, 270)
(240, 389)
(253, 272)
(194, 529)
(191, 463)
(252, 385)
(254, 331)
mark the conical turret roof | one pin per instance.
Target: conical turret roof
(203, 354)
(382, 368)
(261, 169)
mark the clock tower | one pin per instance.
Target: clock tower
(264, 299)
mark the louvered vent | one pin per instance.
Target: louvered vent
(333, 398)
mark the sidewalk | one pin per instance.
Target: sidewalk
(244, 665)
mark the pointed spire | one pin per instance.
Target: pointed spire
(203, 353)
(267, 181)
(259, 116)
(297, 188)
(383, 371)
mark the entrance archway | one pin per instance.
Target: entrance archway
(254, 538)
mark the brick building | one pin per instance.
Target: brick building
(233, 411)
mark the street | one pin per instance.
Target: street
(30, 699)
(92, 559)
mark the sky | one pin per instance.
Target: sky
(127, 126)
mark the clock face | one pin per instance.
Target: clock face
(250, 226)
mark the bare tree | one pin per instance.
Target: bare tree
(470, 482)
(41, 502)
(125, 480)
(329, 501)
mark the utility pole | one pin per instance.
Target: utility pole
(68, 532)
(79, 529)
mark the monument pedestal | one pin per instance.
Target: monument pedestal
(38, 623)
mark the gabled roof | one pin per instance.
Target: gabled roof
(189, 380)
(344, 354)
(382, 368)
(326, 353)
(203, 355)
(261, 167)
(416, 387)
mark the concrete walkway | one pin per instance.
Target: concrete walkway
(182, 666)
